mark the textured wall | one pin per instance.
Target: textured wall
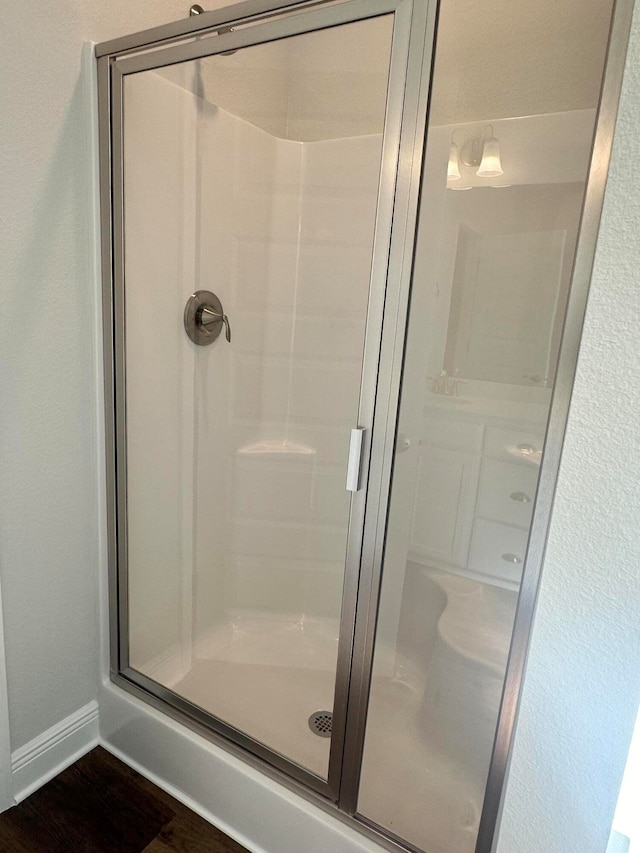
(583, 678)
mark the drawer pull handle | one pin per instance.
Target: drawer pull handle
(511, 558)
(520, 497)
(527, 449)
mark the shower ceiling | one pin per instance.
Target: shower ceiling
(288, 88)
(561, 42)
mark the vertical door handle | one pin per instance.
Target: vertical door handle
(355, 460)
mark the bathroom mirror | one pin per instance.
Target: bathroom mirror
(499, 278)
(507, 273)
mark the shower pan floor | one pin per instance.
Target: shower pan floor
(265, 674)
(272, 703)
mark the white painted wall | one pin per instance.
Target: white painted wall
(48, 449)
(583, 678)
(6, 780)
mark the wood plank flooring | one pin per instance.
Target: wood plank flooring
(99, 805)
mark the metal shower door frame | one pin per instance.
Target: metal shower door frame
(362, 582)
(403, 141)
(374, 538)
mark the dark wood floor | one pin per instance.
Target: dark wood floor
(99, 805)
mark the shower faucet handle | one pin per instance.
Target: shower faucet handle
(209, 316)
(227, 328)
(204, 318)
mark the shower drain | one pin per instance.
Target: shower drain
(320, 723)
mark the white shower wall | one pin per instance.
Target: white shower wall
(159, 269)
(237, 453)
(288, 243)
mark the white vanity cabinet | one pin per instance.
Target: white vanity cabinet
(447, 475)
(476, 481)
(443, 510)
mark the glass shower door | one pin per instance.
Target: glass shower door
(507, 165)
(253, 264)
(322, 517)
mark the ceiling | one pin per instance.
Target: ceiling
(500, 58)
(494, 59)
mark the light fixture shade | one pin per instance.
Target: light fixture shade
(490, 167)
(453, 168)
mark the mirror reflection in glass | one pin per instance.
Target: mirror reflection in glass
(508, 149)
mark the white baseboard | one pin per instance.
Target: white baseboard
(45, 756)
(247, 805)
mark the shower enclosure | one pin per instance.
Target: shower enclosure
(337, 385)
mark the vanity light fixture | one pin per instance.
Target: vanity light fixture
(453, 167)
(481, 153)
(490, 166)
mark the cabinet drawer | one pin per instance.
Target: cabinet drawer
(495, 548)
(514, 445)
(506, 492)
